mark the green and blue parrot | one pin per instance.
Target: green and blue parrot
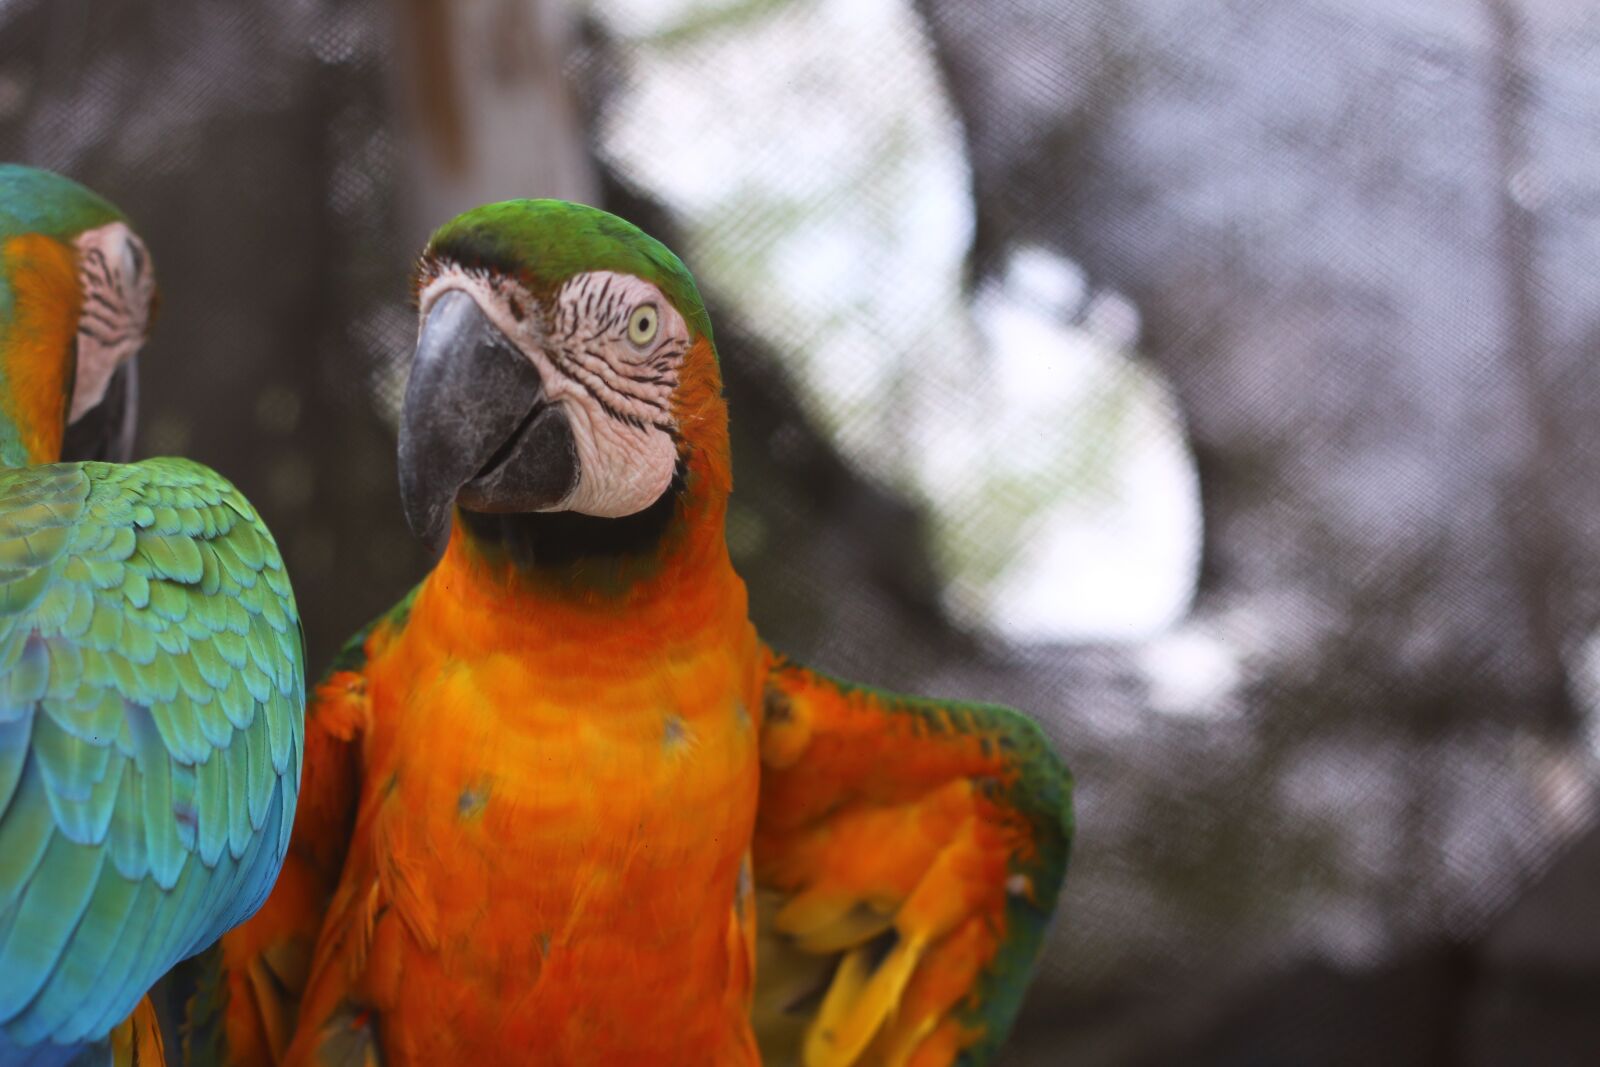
(151, 658)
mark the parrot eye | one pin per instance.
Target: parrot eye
(643, 324)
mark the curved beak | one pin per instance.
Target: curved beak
(476, 428)
(105, 432)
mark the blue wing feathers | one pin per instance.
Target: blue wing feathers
(211, 806)
(237, 780)
(47, 914)
(81, 1022)
(259, 776)
(185, 813)
(151, 702)
(96, 937)
(14, 735)
(126, 833)
(24, 834)
(163, 850)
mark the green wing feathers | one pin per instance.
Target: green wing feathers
(151, 731)
(908, 857)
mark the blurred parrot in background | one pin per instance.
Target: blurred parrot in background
(151, 663)
(547, 794)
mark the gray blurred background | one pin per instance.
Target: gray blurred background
(1215, 380)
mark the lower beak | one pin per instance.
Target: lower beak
(476, 428)
(105, 432)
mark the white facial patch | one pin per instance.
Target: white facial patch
(118, 281)
(608, 350)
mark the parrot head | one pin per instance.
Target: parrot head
(77, 297)
(564, 365)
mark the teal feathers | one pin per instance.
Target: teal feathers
(38, 201)
(151, 731)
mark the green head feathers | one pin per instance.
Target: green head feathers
(544, 242)
(34, 201)
(37, 201)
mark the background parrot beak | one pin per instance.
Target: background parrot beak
(476, 429)
(105, 432)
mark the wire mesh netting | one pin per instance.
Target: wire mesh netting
(1214, 381)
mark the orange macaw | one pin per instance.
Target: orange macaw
(548, 794)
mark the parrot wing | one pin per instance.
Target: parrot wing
(151, 694)
(247, 999)
(907, 857)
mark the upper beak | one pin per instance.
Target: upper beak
(105, 432)
(476, 428)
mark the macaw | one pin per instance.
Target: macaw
(151, 663)
(548, 793)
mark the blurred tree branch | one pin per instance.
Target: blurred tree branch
(1536, 553)
(494, 114)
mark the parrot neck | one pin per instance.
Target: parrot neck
(671, 552)
(665, 570)
(39, 303)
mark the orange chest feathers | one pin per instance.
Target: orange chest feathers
(558, 826)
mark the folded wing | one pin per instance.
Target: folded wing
(151, 730)
(908, 855)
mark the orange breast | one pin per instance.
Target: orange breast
(554, 816)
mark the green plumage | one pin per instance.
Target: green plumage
(151, 732)
(37, 201)
(542, 243)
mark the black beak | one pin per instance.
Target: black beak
(105, 432)
(476, 429)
